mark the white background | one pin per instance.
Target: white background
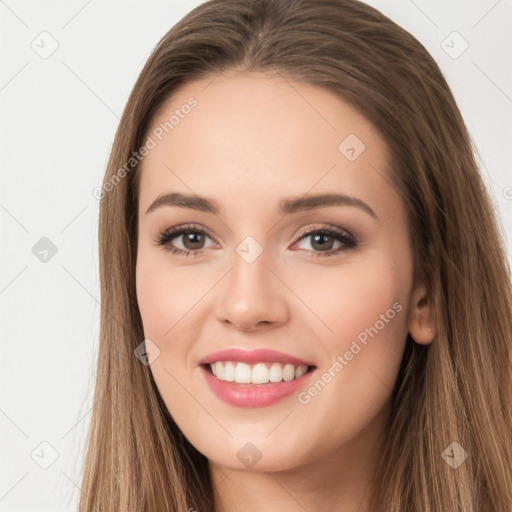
(58, 118)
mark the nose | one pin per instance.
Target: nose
(252, 297)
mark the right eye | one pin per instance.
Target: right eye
(190, 235)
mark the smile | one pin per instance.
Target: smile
(260, 373)
(250, 393)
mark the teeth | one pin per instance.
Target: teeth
(276, 373)
(300, 371)
(242, 373)
(289, 372)
(260, 373)
(229, 371)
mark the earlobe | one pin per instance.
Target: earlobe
(422, 335)
(422, 321)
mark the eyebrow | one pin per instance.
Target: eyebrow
(286, 206)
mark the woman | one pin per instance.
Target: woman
(306, 303)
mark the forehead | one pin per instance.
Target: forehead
(258, 134)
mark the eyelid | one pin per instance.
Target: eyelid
(175, 231)
(324, 228)
(341, 235)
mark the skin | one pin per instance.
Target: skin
(252, 140)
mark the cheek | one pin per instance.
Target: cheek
(166, 301)
(350, 301)
(164, 296)
(364, 308)
(153, 299)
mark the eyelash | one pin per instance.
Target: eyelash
(340, 235)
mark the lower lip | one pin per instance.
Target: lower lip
(255, 395)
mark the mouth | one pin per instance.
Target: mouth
(261, 373)
(254, 378)
(255, 385)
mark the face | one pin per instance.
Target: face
(261, 265)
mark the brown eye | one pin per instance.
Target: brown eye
(192, 239)
(322, 241)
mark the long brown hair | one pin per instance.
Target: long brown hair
(458, 389)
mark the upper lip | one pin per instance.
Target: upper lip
(253, 356)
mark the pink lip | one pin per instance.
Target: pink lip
(262, 355)
(252, 395)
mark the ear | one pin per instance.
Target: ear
(421, 316)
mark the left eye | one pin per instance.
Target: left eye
(323, 240)
(193, 239)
